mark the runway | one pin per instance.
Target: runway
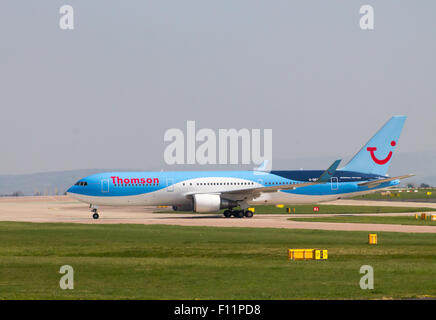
(66, 210)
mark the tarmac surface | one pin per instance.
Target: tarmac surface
(64, 209)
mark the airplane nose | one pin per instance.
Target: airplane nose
(70, 189)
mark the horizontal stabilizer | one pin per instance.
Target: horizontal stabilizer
(263, 166)
(376, 183)
(328, 174)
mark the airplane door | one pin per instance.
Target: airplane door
(105, 185)
(334, 183)
(170, 184)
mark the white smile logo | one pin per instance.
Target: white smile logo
(381, 162)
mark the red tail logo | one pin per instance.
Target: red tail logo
(377, 160)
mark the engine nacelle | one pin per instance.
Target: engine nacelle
(207, 202)
(211, 203)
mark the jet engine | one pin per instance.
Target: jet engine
(204, 202)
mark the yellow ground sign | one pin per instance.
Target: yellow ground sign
(307, 254)
(372, 238)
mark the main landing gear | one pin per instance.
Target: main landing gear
(238, 213)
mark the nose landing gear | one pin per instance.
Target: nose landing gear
(94, 212)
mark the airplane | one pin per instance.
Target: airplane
(212, 191)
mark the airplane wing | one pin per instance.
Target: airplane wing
(375, 183)
(246, 193)
(256, 192)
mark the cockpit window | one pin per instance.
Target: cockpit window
(81, 183)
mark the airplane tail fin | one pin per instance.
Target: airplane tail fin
(376, 155)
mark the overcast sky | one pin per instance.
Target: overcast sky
(103, 95)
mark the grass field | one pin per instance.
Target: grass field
(421, 195)
(384, 220)
(325, 208)
(174, 262)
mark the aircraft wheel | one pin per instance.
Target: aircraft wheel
(239, 214)
(95, 215)
(248, 213)
(227, 213)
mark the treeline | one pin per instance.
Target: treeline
(21, 194)
(422, 186)
(13, 194)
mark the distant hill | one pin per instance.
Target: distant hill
(422, 164)
(44, 183)
(430, 180)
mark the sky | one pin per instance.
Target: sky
(104, 94)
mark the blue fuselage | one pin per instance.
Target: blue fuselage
(177, 188)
